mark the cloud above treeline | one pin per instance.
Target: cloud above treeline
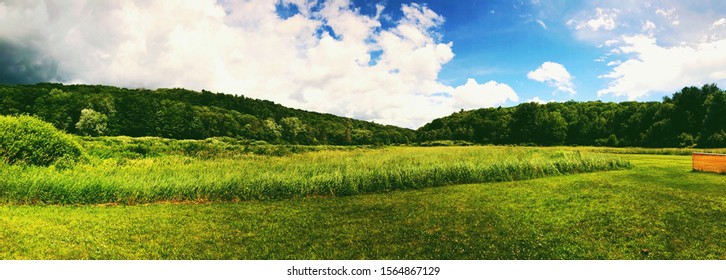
(327, 57)
(555, 75)
(655, 47)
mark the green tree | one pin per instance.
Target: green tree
(523, 123)
(271, 130)
(92, 123)
(58, 108)
(176, 119)
(551, 127)
(362, 136)
(294, 130)
(714, 123)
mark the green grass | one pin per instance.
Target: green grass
(240, 177)
(656, 151)
(659, 206)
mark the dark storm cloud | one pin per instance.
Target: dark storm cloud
(22, 65)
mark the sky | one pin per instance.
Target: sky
(394, 62)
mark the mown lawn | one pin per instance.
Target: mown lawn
(658, 209)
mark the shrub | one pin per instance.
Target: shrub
(28, 140)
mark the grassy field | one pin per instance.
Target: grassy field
(658, 209)
(243, 176)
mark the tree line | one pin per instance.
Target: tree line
(692, 117)
(183, 114)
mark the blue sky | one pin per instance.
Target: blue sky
(504, 40)
(393, 62)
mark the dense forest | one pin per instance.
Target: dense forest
(183, 114)
(691, 117)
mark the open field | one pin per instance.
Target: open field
(658, 209)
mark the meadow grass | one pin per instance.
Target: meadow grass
(655, 151)
(658, 209)
(236, 176)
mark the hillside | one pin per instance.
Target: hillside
(184, 114)
(691, 117)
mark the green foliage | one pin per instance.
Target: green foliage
(58, 108)
(717, 139)
(692, 117)
(211, 148)
(296, 171)
(295, 130)
(92, 123)
(444, 143)
(184, 114)
(271, 130)
(28, 140)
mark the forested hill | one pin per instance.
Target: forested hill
(691, 117)
(184, 114)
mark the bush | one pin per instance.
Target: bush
(28, 140)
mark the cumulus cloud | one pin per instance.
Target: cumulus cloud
(718, 23)
(323, 56)
(555, 75)
(654, 68)
(473, 95)
(654, 47)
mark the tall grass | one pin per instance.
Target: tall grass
(251, 177)
(656, 151)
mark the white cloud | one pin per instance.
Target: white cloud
(473, 95)
(363, 70)
(648, 26)
(614, 63)
(541, 23)
(653, 68)
(666, 13)
(604, 19)
(671, 21)
(718, 23)
(536, 99)
(654, 47)
(554, 74)
(670, 14)
(611, 42)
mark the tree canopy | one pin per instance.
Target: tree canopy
(184, 114)
(691, 117)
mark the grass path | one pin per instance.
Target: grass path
(656, 210)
